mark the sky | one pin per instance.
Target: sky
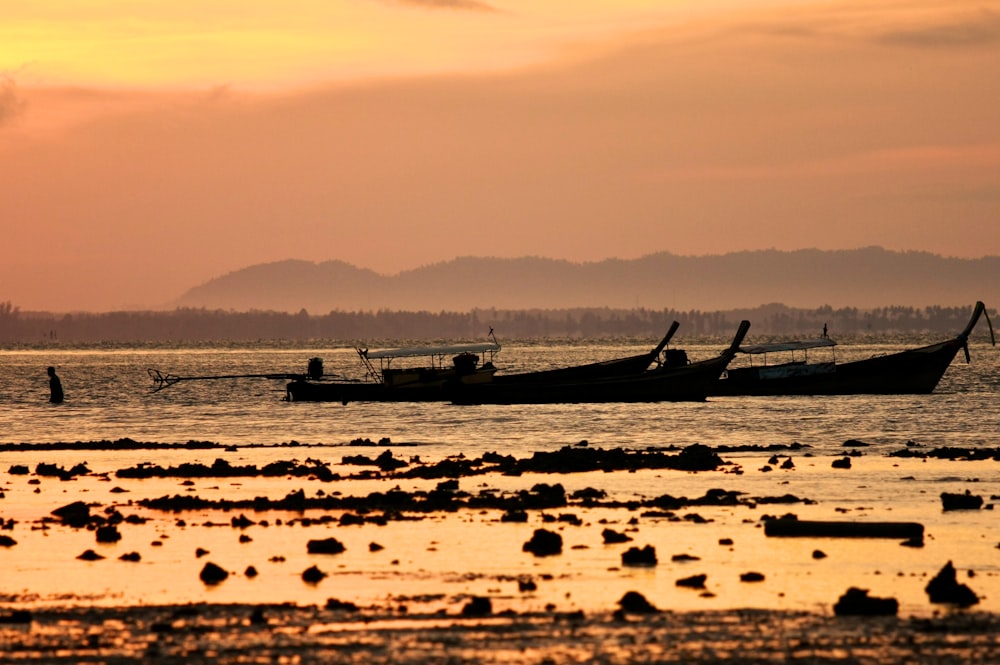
(147, 147)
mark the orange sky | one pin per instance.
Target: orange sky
(147, 147)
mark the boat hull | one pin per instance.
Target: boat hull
(688, 383)
(911, 372)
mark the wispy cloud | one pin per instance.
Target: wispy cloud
(981, 28)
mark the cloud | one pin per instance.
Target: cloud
(11, 103)
(982, 28)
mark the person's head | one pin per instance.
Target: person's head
(52, 371)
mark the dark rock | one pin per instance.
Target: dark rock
(544, 543)
(90, 555)
(313, 575)
(967, 501)
(751, 577)
(325, 546)
(250, 572)
(15, 616)
(681, 558)
(213, 574)
(526, 585)
(7, 541)
(130, 556)
(634, 602)
(341, 605)
(725, 541)
(945, 588)
(18, 470)
(842, 463)
(375, 547)
(200, 552)
(611, 536)
(514, 515)
(819, 554)
(245, 538)
(693, 582)
(108, 534)
(76, 514)
(639, 557)
(477, 607)
(241, 522)
(857, 602)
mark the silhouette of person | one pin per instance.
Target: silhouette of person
(55, 387)
(824, 330)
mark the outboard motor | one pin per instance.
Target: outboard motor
(465, 363)
(675, 358)
(315, 369)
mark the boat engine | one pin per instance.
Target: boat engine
(675, 358)
(315, 368)
(465, 363)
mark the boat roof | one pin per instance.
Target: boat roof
(798, 345)
(410, 351)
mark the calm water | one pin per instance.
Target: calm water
(109, 396)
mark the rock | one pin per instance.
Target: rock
(857, 602)
(634, 602)
(639, 557)
(325, 546)
(90, 555)
(76, 514)
(819, 554)
(7, 541)
(130, 556)
(375, 547)
(526, 585)
(18, 470)
(611, 536)
(108, 534)
(477, 607)
(945, 588)
(340, 605)
(544, 543)
(514, 515)
(15, 616)
(241, 522)
(250, 572)
(751, 577)
(842, 463)
(313, 575)
(693, 582)
(967, 501)
(200, 552)
(213, 574)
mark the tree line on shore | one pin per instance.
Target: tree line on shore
(204, 325)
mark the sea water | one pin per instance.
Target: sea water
(442, 559)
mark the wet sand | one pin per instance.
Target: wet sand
(286, 634)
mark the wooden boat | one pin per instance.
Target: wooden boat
(386, 383)
(914, 371)
(668, 382)
(436, 381)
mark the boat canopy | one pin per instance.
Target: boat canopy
(407, 352)
(800, 345)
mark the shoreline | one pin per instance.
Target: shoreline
(250, 633)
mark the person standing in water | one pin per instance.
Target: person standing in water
(55, 387)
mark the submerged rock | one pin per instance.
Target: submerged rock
(325, 546)
(857, 602)
(967, 501)
(212, 574)
(634, 602)
(945, 588)
(544, 543)
(639, 557)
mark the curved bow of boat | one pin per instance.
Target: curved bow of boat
(979, 310)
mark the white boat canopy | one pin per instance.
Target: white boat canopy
(407, 352)
(800, 345)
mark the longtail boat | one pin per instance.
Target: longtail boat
(913, 371)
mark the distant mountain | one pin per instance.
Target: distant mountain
(863, 278)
